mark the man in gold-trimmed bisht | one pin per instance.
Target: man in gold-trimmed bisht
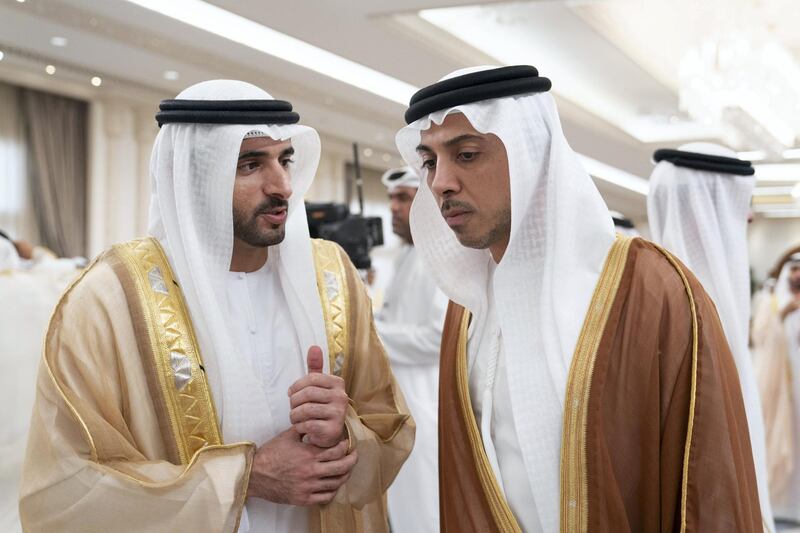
(776, 358)
(585, 380)
(174, 393)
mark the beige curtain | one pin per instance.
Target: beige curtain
(56, 131)
(16, 205)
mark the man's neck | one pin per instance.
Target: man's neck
(247, 258)
(498, 250)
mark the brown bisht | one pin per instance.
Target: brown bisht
(655, 436)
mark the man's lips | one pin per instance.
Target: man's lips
(456, 217)
(275, 216)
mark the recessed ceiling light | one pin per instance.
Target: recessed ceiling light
(367, 152)
(753, 155)
(21, 1)
(50, 69)
(387, 158)
(236, 28)
(58, 41)
(778, 172)
(97, 81)
(171, 75)
(614, 175)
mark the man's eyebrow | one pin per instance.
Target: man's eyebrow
(451, 142)
(262, 153)
(461, 138)
(252, 153)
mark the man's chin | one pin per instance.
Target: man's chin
(264, 239)
(469, 241)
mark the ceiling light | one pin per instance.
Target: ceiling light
(772, 191)
(793, 153)
(367, 152)
(236, 28)
(754, 155)
(386, 158)
(613, 175)
(97, 81)
(1, 55)
(783, 213)
(171, 75)
(59, 41)
(777, 210)
(50, 69)
(21, 1)
(746, 88)
(777, 172)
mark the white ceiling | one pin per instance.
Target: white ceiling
(612, 82)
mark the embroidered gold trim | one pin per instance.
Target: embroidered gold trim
(334, 296)
(574, 482)
(693, 397)
(179, 365)
(504, 519)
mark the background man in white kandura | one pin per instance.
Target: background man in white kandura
(410, 325)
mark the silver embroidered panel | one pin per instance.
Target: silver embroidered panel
(182, 369)
(338, 363)
(331, 285)
(156, 280)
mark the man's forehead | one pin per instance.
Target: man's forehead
(264, 143)
(454, 125)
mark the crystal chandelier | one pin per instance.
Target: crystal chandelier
(751, 92)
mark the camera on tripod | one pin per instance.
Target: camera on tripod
(355, 233)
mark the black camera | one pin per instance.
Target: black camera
(357, 234)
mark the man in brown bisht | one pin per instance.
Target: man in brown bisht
(223, 374)
(585, 380)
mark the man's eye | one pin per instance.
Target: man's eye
(430, 163)
(286, 162)
(248, 167)
(467, 156)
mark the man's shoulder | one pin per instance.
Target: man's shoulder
(323, 247)
(656, 270)
(100, 282)
(330, 256)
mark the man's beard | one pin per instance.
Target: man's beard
(794, 285)
(246, 228)
(402, 229)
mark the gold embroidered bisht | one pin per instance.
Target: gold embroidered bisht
(655, 437)
(124, 435)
